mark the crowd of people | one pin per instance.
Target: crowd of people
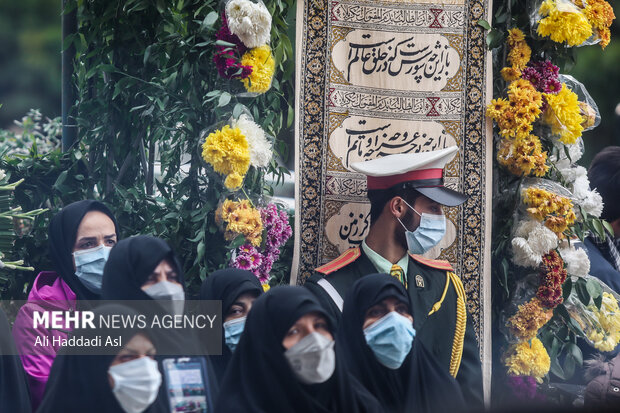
(379, 329)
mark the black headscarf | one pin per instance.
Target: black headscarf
(227, 285)
(62, 234)
(130, 264)
(420, 384)
(259, 378)
(79, 383)
(14, 393)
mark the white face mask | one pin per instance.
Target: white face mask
(136, 383)
(89, 266)
(312, 359)
(166, 290)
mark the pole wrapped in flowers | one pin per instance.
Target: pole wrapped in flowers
(547, 204)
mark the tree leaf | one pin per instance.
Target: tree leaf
(484, 24)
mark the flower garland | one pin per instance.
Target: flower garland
(260, 260)
(528, 359)
(539, 121)
(241, 218)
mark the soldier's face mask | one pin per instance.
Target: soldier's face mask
(431, 230)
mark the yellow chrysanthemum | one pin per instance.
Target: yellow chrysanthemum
(606, 335)
(554, 210)
(266, 287)
(523, 156)
(227, 150)
(605, 35)
(530, 317)
(519, 55)
(233, 181)
(563, 115)
(515, 36)
(525, 359)
(496, 108)
(263, 67)
(510, 74)
(599, 13)
(568, 25)
(240, 218)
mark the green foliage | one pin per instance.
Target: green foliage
(147, 88)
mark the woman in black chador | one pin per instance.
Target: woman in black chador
(285, 361)
(376, 340)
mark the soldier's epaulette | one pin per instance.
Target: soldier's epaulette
(343, 260)
(438, 264)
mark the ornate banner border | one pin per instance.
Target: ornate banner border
(474, 217)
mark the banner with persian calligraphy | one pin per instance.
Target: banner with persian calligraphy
(381, 78)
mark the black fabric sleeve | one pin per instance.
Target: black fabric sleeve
(469, 375)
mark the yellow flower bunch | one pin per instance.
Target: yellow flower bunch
(600, 14)
(607, 338)
(563, 22)
(263, 67)
(530, 317)
(240, 218)
(525, 359)
(227, 150)
(563, 114)
(515, 115)
(556, 211)
(523, 156)
(520, 53)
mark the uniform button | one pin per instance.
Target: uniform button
(616, 389)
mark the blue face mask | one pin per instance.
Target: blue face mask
(232, 332)
(390, 339)
(431, 230)
(89, 266)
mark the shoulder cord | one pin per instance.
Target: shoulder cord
(437, 305)
(461, 323)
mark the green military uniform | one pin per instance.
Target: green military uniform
(434, 290)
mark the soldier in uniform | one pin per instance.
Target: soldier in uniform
(406, 194)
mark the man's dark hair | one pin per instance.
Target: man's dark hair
(604, 175)
(380, 197)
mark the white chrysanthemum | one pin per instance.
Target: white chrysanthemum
(250, 21)
(576, 260)
(260, 147)
(590, 200)
(523, 255)
(532, 240)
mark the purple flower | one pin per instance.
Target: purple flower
(256, 260)
(227, 64)
(242, 262)
(541, 75)
(523, 387)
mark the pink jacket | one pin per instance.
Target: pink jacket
(49, 292)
